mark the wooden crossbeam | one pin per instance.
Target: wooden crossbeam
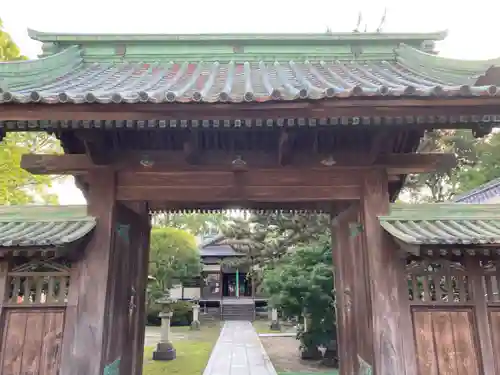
(217, 179)
(271, 185)
(226, 194)
(317, 109)
(77, 164)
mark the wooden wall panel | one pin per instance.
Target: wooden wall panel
(31, 341)
(495, 330)
(445, 342)
(426, 350)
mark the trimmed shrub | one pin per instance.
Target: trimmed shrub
(183, 314)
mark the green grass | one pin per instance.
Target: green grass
(332, 372)
(262, 326)
(193, 353)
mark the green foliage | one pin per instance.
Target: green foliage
(18, 186)
(196, 224)
(8, 49)
(303, 282)
(182, 314)
(478, 161)
(265, 238)
(486, 166)
(174, 257)
(441, 185)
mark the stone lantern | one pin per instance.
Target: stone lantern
(195, 324)
(275, 323)
(164, 349)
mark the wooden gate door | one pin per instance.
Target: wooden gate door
(444, 318)
(33, 318)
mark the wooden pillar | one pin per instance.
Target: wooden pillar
(4, 270)
(344, 287)
(89, 323)
(361, 290)
(484, 331)
(122, 292)
(385, 273)
(142, 229)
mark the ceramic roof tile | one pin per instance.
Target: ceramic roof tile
(67, 78)
(27, 226)
(431, 224)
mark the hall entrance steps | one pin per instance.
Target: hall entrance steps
(238, 309)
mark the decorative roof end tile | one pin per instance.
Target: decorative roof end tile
(90, 98)
(171, 96)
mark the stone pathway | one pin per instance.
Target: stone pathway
(238, 351)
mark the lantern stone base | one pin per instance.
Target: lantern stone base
(275, 326)
(195, 325)
(164, 352)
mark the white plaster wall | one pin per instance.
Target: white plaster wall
(189, 293)
(211, 267)
(176, 292)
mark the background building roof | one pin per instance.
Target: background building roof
(488, 192)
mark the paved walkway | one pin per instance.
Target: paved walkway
(238, 351)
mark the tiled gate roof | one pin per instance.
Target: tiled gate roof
(316, 67)
(31, 226)
(444, 224)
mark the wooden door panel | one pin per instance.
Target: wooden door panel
(445, 342)
(31, 341)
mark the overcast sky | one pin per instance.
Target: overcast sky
(472, 25)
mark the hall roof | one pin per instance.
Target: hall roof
(43, 226)
(217, 247)
(237, 68)
(490, 191)
(444, 224)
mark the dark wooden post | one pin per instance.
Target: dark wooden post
(344, 273)
(384, 273)
(142, 231)
(89, 322)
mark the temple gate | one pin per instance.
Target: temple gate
(329, 123)
(37, 248)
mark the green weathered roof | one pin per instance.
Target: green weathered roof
(31, 226)
(49, 37)
(211, 68)
(447, 223)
